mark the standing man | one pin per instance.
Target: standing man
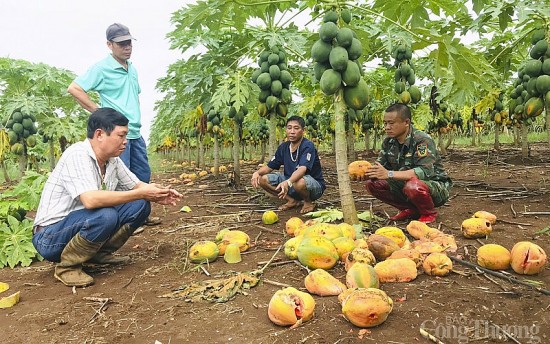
(408, 173)
(92, 203)
(116, 80)
(302, 178)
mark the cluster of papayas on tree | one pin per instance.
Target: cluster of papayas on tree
(336, 54)
(532, 86)
(273, 79)
(21, 129)
(405, 76)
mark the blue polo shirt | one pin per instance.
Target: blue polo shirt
(306, 155)
(118, 88)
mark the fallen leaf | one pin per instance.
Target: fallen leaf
(185, 209)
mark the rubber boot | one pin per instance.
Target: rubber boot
(69, 269)
(418, 193)
(105, 253)
(381, 190)
(405, 214)
(153, 221)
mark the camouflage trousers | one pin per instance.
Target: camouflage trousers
(438, 190)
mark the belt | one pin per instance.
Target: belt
(37, 229)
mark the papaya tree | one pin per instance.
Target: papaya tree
(220, 27)
(338, 70)
(34, 99)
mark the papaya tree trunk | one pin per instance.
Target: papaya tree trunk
(333, 143)
(182, 150)
(236, 151)
(474, 135)
(51, 155)
(272, 128)
(5, 171)
(199, 152)
(547, 118)
(524, 141)
(367, 141)
(351, 141)
(263, 147)
(450, 138)
(497, 137)
(340, 145)
(440, 144)
(216, 155)
(22, 162)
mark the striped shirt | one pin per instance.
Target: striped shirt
(77, 172)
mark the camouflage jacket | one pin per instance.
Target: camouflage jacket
(418, 152)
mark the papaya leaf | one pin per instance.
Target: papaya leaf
(326, 215)
(28, 190)
(545, 230)
(16, 243)
(366, 216)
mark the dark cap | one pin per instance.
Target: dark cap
(117, 33)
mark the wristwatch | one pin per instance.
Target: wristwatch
(390, 174)
(289, 183)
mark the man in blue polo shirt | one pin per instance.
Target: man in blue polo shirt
(302, 178)
(116, 80)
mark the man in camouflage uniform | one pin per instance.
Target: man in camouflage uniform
(408, 173)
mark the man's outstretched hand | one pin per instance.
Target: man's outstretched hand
(164, 195)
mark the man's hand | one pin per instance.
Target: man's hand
(160, 194)
(362, 178)
(376, 171)
(284, 189)
(171, 198)
(255, 180)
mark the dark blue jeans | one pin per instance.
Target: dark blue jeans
(95, 225)
(135, 158)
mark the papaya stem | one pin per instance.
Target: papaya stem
(509, 278)
(514, 43)
(261, 271)
(390, 20)
(289, 19)
(260, 3)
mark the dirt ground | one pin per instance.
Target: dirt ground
(464, 307)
